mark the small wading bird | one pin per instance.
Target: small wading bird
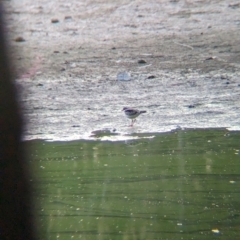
(132, 114)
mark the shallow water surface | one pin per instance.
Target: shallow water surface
(177, 185)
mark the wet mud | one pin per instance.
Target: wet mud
(182, 59)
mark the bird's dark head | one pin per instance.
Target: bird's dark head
(125, 108)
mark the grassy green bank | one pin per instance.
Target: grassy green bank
(178, 185)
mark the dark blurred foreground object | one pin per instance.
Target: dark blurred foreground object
(16, 220)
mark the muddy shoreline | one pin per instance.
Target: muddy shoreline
(71, 53)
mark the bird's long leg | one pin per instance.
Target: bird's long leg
(133, 121)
